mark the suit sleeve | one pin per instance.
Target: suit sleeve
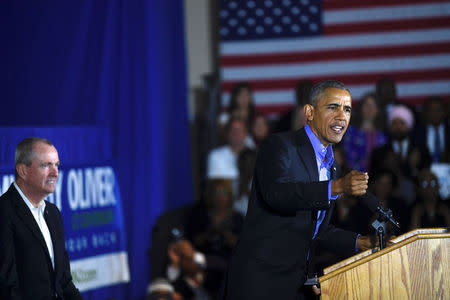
(9, 286)
(278, 191)
(338, 240)
(69, 290)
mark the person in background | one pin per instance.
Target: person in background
(222, 161)
(161, 289)
(241, 105)
(213, 230)
(364, 135)
(34, 263)
(295, 118)
(190, 282)
(434, 132)
(429, 210)
(407, 157)
(260, 129)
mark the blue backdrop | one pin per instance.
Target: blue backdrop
(118, 64)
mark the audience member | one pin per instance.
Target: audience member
(246, 165)
(429, 211)
(213, 229)
(222, 161)
(260, 129)
(434, 132)
(386, 93)
(405, 158)
(161, 289)
(189, 282)
(364, 134)
(295, 118)
(241, 105)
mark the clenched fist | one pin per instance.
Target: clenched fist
(354, 183)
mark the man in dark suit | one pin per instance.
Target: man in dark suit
(33, 260)
(293, 193)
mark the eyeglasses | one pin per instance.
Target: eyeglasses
(428, 183)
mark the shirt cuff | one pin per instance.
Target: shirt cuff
(331, 197)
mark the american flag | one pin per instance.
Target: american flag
(273, 44)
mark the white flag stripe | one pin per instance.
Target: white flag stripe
(404, 90)
(336, 42)
(340, 67)
(345, 16)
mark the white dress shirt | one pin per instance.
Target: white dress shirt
(38, 214)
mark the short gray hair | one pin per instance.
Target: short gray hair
(24, 151)
(318, 89)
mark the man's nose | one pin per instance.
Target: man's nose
(341, 114)
(54, 170)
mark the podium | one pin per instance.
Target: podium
(416, 266)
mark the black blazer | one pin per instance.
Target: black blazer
(270, 259)
(26, 270)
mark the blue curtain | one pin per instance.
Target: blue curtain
(118, 64)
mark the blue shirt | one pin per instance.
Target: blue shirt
(324, 160)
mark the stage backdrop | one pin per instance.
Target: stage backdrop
(116, 64)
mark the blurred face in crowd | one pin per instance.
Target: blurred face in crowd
(221, 197)
(237, 133)
(260, 128)
(428, 185)
(398, 129)
(369, 109)
(329, 119)
(435, 113)
(244, 98)
(39, 179)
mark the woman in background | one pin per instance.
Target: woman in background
(364, 135)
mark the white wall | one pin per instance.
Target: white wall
(198, 44)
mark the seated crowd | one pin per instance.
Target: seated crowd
(395, 143)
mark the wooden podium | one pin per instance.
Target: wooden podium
(416, 266)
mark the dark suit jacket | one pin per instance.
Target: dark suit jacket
(420, 137)
(270, 259)
(26, 270)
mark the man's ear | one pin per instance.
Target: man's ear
(21, 170)
(308, 109)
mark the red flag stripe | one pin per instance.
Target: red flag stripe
(387, 26)
(353, 53)
(350, 4)
(410, 76)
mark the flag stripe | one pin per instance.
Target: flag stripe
(336, 42)
(338, 67)
(389, 13)
(326, 55)
(338, 4)
(410, 76)
(388, 26)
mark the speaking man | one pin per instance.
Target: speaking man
(33, 260)
(295, 185)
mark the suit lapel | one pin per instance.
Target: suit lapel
(306, 152)
(27, 218)
(50, 220)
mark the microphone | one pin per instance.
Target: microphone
(374, 205)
